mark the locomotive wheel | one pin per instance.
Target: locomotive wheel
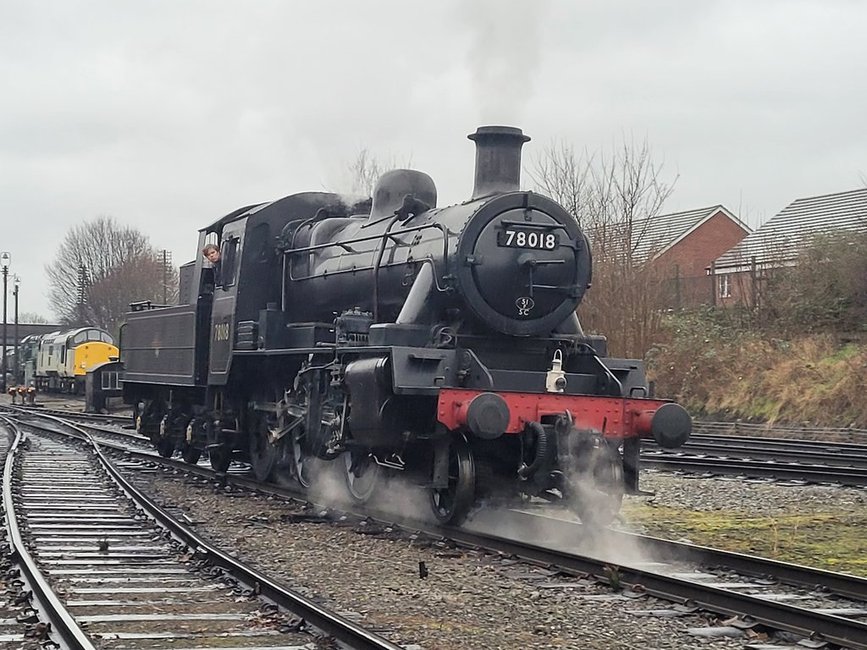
(302, 461)
(191, 454)
(165, 448)
(595, 491)
(362, 476)
(221, 458)
(451, 504)
(263, 454)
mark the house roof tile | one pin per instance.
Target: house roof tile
(783, 234)
(663, 231)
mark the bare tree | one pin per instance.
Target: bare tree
(615, 197)
(366, 169)
(565, 177)
(32, 317)
(99, 269)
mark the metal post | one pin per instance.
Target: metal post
(713, 282)
(4, 260)
(16, 283)
(754, 282)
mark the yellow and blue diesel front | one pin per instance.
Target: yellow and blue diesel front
(87, 355)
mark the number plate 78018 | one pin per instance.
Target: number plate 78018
(528, 238)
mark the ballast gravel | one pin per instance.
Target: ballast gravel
(466, 599)
(760, 498)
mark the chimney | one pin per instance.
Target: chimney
(498, 159)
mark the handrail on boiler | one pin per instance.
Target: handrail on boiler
(380, 250)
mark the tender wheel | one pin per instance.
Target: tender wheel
(362, 476)
(165, 448)
(191, 454)
(595, 486)
(195, 439)
(263, 454)
(220, 457)
(451, 504)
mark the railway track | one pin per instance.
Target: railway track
(845, 454)
(758, 593)
(108, 576)
(786, 459)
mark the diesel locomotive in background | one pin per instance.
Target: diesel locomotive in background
(58, 362)
(393, 337)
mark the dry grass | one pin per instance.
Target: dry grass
(809, 380)
(827, 540)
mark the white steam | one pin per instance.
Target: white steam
(504, 55)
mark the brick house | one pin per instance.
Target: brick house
(738, 274)
(683, 244)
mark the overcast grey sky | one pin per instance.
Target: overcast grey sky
(167, 114)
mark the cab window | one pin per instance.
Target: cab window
(229, 261)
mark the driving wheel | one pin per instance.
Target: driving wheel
(302, 460)
(450, 504)
(165, 447)
(263, 453)
(595, 485)
(362, 475)
(220, 457)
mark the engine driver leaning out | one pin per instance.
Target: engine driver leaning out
(212, 254)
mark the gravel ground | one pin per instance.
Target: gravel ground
(816, 525)
(468, 599)
(755, 497)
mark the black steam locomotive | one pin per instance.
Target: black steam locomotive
(397, 338)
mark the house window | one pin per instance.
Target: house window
(724, 286)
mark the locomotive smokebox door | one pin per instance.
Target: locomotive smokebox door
(523, 264)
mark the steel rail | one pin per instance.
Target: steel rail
(774, 614)
(745, 467)
(771, 443)
(61, 620)
(778, 430)
(703, 450)
(777, 615)
(841, 584)
(331, 623)
(77, 415)
(779, 449)
(318, 616)
(720, 600)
